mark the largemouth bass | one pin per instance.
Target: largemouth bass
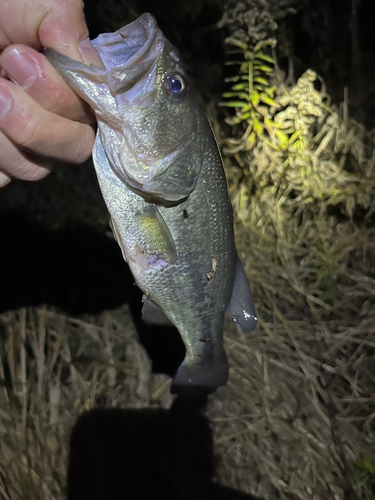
(162, 178)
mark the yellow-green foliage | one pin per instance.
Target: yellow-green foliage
(364, 476)
(251, 95)
(305, 171)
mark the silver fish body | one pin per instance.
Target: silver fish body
(162, 178)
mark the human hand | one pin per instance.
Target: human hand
(41, 118)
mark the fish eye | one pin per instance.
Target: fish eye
(176, 86)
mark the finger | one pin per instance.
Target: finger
(64, 29)
(17, 164)
(31, 70)
(4, 179)
(48, 23)
(39, 131)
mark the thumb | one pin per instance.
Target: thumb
(64, 29)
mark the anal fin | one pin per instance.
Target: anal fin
(241, 307)
(152, 314)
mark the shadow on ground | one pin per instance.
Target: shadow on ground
(79, 271)
(149, 454)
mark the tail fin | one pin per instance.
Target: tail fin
(207, 376)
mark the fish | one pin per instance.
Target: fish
(162, 178)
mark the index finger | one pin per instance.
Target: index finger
(31, 70)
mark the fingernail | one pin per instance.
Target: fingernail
(5, 103)
(89, 53)
(19, 67)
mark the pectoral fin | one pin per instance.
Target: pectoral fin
(153, 315)
(154, 243)
(156, 237)
(241, 307)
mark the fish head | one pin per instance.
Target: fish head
(150, 123)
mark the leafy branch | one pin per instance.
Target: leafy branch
(252, 95)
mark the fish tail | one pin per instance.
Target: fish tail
(207, 375)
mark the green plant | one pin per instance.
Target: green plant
(364, 476)
(252, 94)
(303, 170)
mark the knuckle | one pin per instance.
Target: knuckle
(29, 134)
(83, 146)
(19, 124)
(57, 103)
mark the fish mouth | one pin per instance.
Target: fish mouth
(128, 44)
(129, 53)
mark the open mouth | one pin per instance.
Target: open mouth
(128, 44)
(130, 52)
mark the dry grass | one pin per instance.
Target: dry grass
(298, 408)
(297, 411)
(54, 368)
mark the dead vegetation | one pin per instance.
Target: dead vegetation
(54, 368)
